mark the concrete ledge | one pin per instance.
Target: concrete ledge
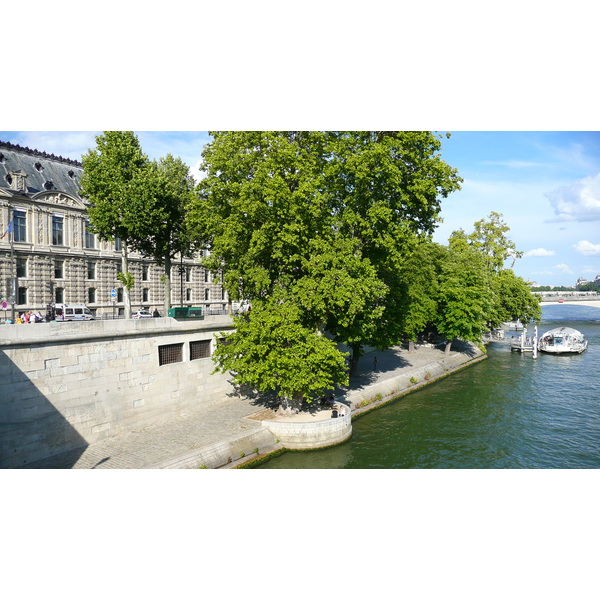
(223, 453)
(77, 331)
(303, 436)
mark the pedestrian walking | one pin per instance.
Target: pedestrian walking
(374, 363)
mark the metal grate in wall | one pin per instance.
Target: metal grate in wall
(171, 353)
(200, 349)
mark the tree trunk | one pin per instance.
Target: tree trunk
(167, 283)
(411, 346)
(125, 269)
(356, 354)
(289, 406)
(447, 348)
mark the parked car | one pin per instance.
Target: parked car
(142, 314)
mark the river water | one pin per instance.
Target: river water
(509, 411)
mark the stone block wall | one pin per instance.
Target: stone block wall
(303, 436)
(66, 385)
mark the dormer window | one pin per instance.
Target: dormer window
(49, 185)
(2, 157)
(38, 166)
(17, 180)
(71, 174)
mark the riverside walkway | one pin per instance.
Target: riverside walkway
(217, 429)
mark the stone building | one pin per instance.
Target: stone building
(589, 284)
(48, 255)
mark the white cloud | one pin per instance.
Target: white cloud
(516, 164)
(564, 268)
(579, 201)
(587, 248)
(540, 252)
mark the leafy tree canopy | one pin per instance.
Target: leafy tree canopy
(112, 174)
(329, 217)
(272, 351)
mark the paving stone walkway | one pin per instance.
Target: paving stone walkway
(153, 445)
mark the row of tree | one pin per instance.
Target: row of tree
(142, 202)
(326, 234)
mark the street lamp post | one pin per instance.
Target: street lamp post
(181, 272)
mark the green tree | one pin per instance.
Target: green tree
(113, 174)
(419, 283)
(325, 218)
(490, 293)
(464, 297)
(514, 300)
(273, 352)
(167, 191)
(490, 238)
(388, 188)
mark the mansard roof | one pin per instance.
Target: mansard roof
(45, 172)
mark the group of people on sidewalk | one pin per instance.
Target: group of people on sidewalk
(30, 317)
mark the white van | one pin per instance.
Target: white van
(73, 312)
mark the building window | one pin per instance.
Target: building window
(119, 294)
(22, 295)
(91, 268)
(206, 276)
(59, 269)
(57, 230)
(92, 295)
(21, 267)
(145, 295)
(188, 274)
(207, 294)
(144, 272)
(200, 349)
(90, 240)
(118, 244)
(188, 295)
(19, 226)
(119, 267)
(59, 295)
(169, 354)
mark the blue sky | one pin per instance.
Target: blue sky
(545, 184)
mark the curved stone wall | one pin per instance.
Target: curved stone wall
(302, 436)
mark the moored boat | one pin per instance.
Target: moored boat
(562, 340)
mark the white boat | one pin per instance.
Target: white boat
(562, 340)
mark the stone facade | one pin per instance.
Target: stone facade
(48, 256)
(64, 386)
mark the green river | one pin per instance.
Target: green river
(509, 411)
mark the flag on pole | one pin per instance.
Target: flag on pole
(9, 230)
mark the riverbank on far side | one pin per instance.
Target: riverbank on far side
(229, 435)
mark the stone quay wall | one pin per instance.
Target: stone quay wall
(304, 436)
(67, 385)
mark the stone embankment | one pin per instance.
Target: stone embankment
(239, 431)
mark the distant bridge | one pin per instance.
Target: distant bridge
(570, 298)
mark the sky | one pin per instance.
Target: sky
(546, 185)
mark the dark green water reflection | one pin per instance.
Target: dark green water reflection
(509, 411)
